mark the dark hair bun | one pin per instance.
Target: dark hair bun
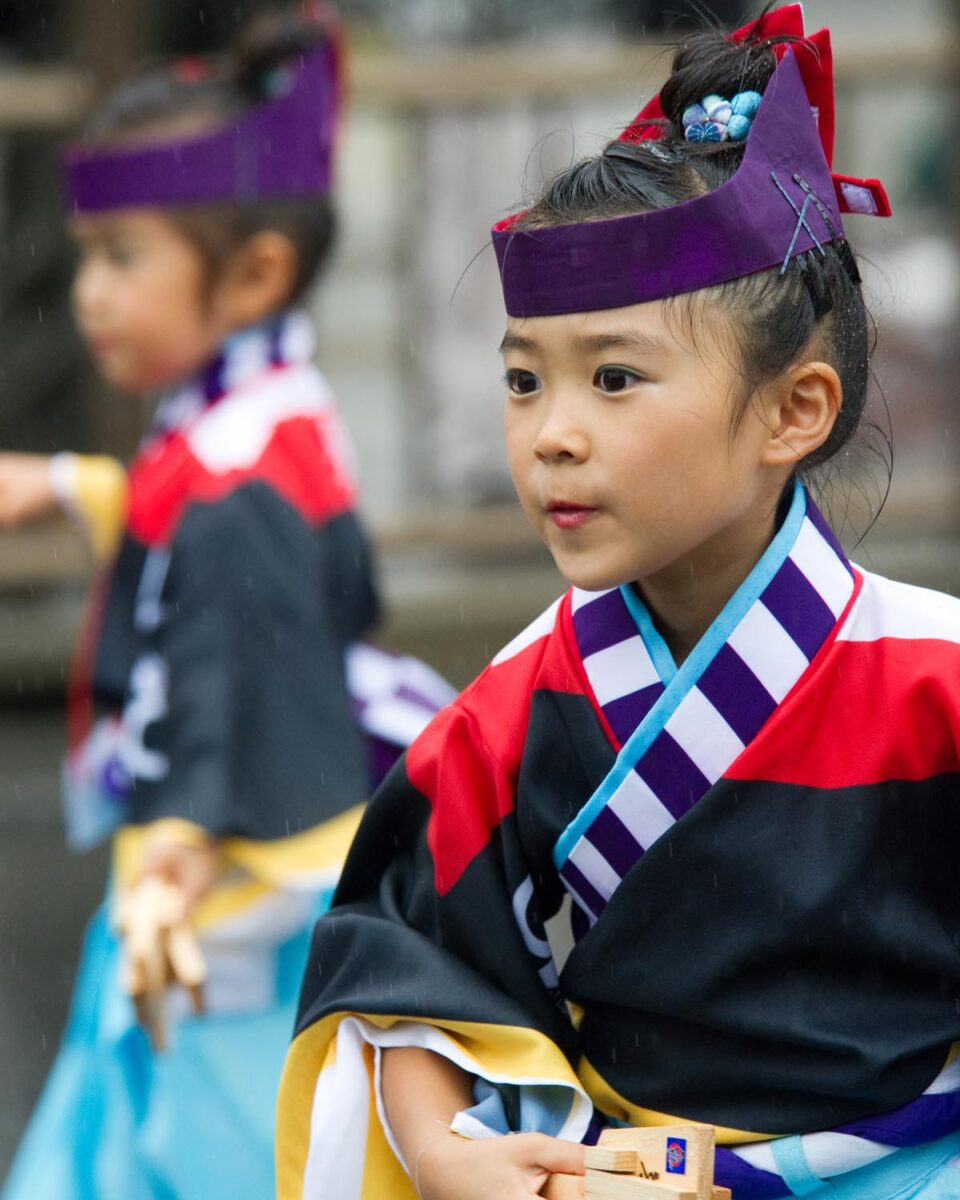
(276, 39)
(707, 64)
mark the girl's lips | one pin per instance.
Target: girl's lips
(569, 516)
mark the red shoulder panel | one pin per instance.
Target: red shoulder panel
(874, 711)
(467, 761)
(297, 462)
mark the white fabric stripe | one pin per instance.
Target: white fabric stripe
(620, 670)
(947, 1081)
(370, 672)
(640, 809)
(818, 561)
(246, 355)
(579, 598)
(885, 608)
(396, 721)
(319, 879)
(298, 338)
(704, 735)
(826, 1153)
(590, 863)
(834, 1153)
(768, 650)
(234, 433)
(339, 1119)
(537, 629)
(759, 1155)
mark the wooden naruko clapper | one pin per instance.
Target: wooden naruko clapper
(666, 1162)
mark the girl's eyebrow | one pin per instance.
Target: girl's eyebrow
(631, 339)
(513, 341)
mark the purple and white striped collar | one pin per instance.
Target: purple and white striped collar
(680, 729)
(280, 341)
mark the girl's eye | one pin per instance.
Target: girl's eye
(118, 253)
(521, 383)
(615, 379)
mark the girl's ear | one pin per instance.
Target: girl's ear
(801, 408)
(257, 281)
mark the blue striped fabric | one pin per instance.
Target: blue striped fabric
(679, 734)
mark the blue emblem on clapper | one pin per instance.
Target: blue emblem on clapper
(676, 1156)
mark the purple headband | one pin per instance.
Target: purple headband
(282, 147)
(780, 202)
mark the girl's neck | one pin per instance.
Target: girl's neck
(687, 598)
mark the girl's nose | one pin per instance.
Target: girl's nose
(561, 435)
(88, 289)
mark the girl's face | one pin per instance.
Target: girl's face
(623, 451)
(141, 299)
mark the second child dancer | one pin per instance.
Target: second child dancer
(213, 729)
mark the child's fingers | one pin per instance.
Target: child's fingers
(187, 962)
(147, 1007)
(145, 915)
(564, 1187)
(548, 1153)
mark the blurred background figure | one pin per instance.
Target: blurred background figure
(446, 100)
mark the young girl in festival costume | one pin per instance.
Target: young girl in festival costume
(212, 710)
(685, 850)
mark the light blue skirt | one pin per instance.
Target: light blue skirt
(117, 1122)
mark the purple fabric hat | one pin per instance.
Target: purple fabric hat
(780, 202)
(282, 147)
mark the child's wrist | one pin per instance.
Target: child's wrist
(62, 473)
(183, 855)
(176, 831)
(446, 1135)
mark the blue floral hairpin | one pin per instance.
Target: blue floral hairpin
(715, 119)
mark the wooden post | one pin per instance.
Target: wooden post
(110, 37)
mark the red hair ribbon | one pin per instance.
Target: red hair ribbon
(814, 57)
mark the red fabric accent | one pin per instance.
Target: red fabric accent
(873, 711)
(874, 186)
(191, 69)
(469, 792)
(80, 705)
(297, 462)
(782, 22)
(814, 55)
(583, 680)
(469, 777)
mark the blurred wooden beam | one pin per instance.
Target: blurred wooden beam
(492, 76)
(109, 38)
(114, 38)
(42, 98)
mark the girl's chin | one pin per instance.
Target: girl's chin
(136, 383)
(592, 581)
(125, 386)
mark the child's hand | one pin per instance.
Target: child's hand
(160, 945)
(192, 868)
(515, 1167)
(26, 488)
